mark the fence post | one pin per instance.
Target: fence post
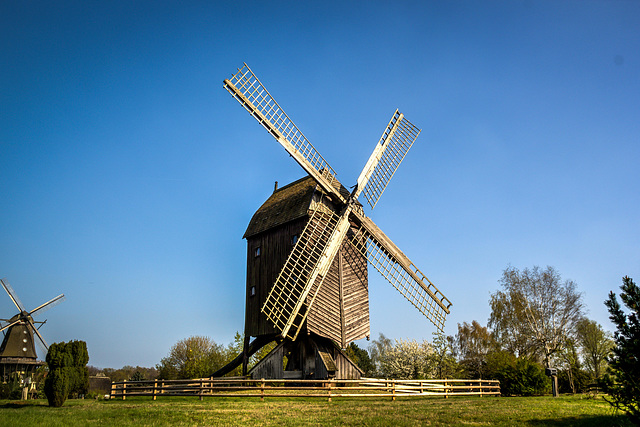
(201, 390)
(124, 389)
(330, 384)
(155, 388)
(113, 391)
(262, 389)
(480, 387)
(393, 393)
(446, 389)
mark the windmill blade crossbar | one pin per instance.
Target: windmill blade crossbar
(12, 294)
(401, 273)
(398, 137)
(10, 325)
(245, 87)
(286, 305)
(42, 341)
(47, 305)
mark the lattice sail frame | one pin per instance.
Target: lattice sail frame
(12, 294)
(395, 143)
(287, 304)
(247, 89)
(409, 280)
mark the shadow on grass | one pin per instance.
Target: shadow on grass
(21, 404)
(587, 420)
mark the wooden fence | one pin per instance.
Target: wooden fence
(328, 389)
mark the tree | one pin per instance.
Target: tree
(378, 350)
(193, 357)
(472, 343)
(442, 359)
(127, 372)
(571, 377)
(534, 312)
(625, 362)
(68, 372)
(360, 357)
(406, 359)
(596, 345)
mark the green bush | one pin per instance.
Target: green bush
(517, 376)
(68, 373)
(56, 387)
(581, 381)
(11, 390)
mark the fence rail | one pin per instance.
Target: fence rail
(328, 389)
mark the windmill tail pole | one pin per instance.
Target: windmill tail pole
(255, 345)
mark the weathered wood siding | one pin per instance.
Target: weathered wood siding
(341, 309)
(262, 271)
(271, 365)
(324, 317)
(347, 370)
(355, 284)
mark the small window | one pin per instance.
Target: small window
(294, 239)
(256, 253)
(252, 291)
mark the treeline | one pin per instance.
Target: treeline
(537, 321)
(129, 373)
(193, 357)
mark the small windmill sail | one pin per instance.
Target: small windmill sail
(20, 329)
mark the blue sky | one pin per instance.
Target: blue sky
(129, 174)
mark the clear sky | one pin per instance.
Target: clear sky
(128, 174)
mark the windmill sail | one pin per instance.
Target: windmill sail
(394, 144)
(10, 324)
(12, 294)
(47, 305)
(288, 302)
(245, 87)
(394, 266)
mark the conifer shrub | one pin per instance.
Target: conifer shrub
(624, 384)
(68, 372)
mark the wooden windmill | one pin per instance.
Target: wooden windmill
(308, 249)
(18, 352)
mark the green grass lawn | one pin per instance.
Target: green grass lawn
(472, 411)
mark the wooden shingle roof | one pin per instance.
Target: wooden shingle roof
(286, 204)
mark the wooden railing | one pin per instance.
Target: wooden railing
(366, 387)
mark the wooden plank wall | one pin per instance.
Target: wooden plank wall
(271, 365)
(355, 280)
(341, 309)
(346, 369)
(348, 297)
(324, 316)
(262, 271)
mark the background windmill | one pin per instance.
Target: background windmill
(18, 353)
(308, 248)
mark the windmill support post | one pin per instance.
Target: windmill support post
(245, 353)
